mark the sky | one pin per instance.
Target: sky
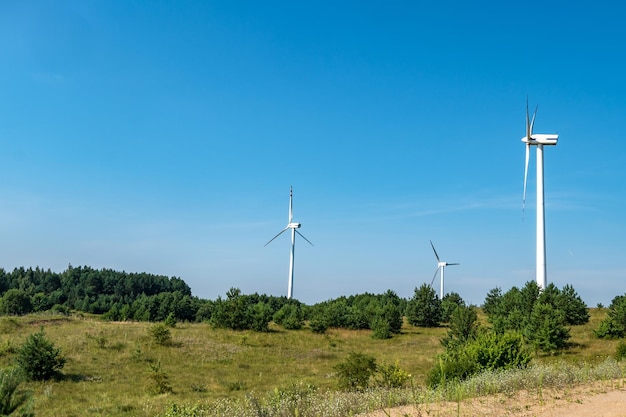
(164, 136)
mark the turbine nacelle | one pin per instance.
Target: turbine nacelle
(440, 267)
(293, 225)
(541, 139)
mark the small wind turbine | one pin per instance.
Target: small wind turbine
(293, 226)
(440, 266)
(538, 140)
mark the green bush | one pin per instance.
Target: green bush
(392, 376)
(381, 328)
(614, 325)
(318, 324)
(170, 320)
(355, 372)
(289, 316)
(12, 399)
(39, 358)
(260, 316)
(488, 351)
(15, 302)
(160, 334)
(449, 303)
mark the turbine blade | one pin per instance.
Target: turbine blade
(532, 123)
(302, 236)
(447, 264)
(434, 276)
(290, 204)
(525, 178)
(436, 256)
(527, 121)
(280, 233)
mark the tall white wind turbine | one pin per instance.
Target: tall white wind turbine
(294, 229)
(440, 266)
(539, 140)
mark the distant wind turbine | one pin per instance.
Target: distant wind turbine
(293, 226)
(440, 266)
(538, 140)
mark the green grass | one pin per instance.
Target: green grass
(109, 364)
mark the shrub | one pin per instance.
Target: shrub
(392, 376)
(424, 309)
(489, 351)
(614, 325)
(318, 324)
(39, 358)
(158, 380)
(160, 334)
(170, 320)
(11, 398)
(355, 372)
(449, 303)
(546, 329)
(260, 316)
(381, 328)
(290, 317)
(463, 326)
(15, 302)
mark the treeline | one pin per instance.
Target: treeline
(136, 296)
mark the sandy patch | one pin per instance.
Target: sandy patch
(600, 399)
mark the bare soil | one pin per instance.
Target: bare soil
(600, 399)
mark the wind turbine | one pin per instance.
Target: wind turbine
(294, 229)
(440, 266)
(539, 140)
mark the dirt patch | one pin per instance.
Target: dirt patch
(600, 399)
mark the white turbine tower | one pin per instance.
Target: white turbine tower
(293, 226)
(440, 266)
(539, 140)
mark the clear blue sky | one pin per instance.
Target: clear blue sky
(163, 137)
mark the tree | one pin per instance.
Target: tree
(449, 303)
(546, 328)
(463, 326)
(614, 324)
(15, 302)
(494, 296)
(575, 309)
(39, 358)
(424, 309)
(289, 316)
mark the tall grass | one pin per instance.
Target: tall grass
(303, 401)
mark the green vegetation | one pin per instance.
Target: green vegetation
(116, 368)
(424, 309)
(138, 344)
(355, 372)
(38, 358)
(614, 325)
(542, 316)
(14, 401)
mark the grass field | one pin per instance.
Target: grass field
(109, 365)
